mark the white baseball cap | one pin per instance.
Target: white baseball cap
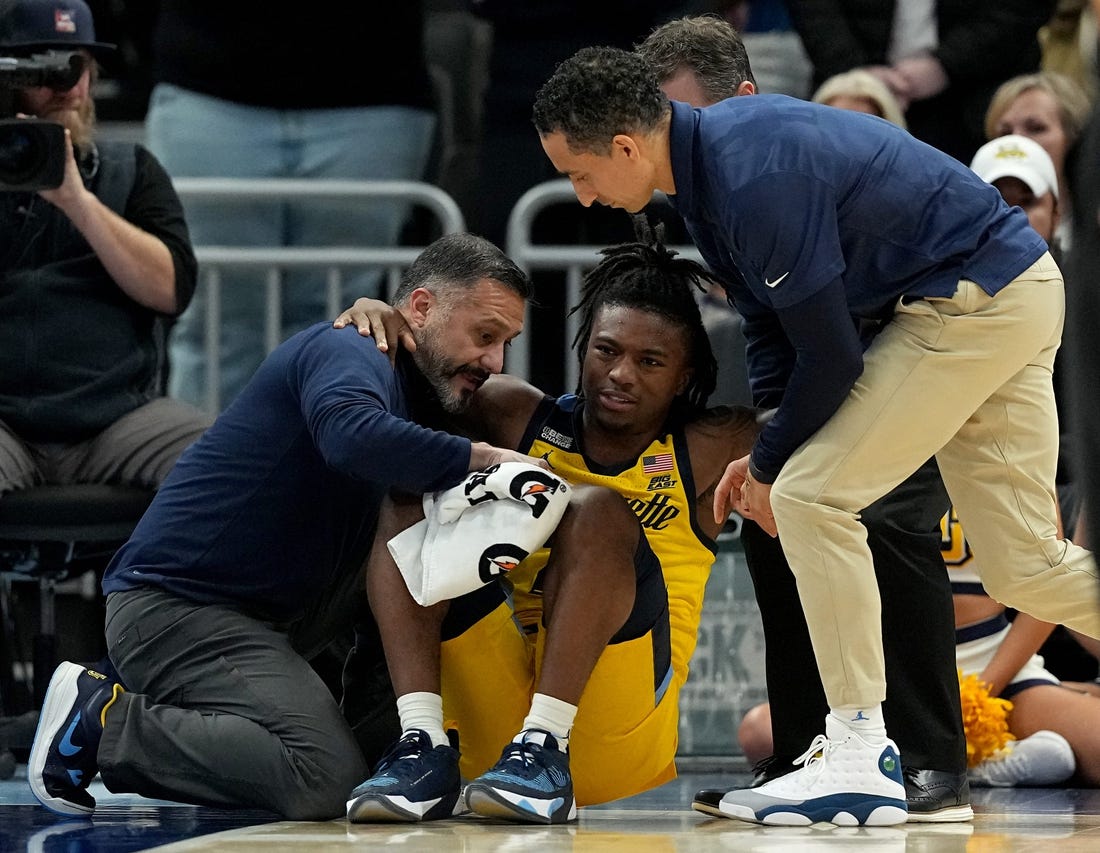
(1016, 156)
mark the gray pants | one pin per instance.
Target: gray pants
(138, 449)
(221, 711)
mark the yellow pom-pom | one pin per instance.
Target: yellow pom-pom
(985, 720)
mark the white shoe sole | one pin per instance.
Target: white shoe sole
(956, 814)
(496, 802)
(803, 814)
(56, 707)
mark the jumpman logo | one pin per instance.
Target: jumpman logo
(860, 718)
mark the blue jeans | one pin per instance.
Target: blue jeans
(196, 135)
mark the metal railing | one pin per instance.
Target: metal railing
(335, 260)
(574, 261)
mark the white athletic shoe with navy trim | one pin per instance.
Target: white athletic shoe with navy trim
(63, 759)
(844, 780)
(531, 782)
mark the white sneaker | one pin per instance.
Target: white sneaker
(844, 780)
(1044, 758)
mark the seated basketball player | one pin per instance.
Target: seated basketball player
(620, 631)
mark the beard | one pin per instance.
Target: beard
(80, 122)
(440, 371)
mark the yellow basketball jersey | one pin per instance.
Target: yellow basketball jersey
(659, 488)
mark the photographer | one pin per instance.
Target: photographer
(91, 272)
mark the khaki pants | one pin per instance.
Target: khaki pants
(967, 379)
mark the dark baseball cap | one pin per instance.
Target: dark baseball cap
(29, 26)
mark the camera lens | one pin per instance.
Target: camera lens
(22, 153)
(32, 154)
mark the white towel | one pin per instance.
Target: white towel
(480, 529)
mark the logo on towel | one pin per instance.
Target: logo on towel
(531, 486)
(499, 559)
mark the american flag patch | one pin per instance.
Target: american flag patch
(656, 464)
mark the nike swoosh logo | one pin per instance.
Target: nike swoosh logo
(776, 282)
(67, 747)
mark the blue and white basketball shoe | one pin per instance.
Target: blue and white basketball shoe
(844, 780)
(531, 782)
(414, 781)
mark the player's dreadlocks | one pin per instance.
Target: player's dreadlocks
(648, 276)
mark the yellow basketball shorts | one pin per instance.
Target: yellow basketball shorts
(625, 736)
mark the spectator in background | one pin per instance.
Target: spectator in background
(308, 94)
(863, 92)
(779, 60)
(91, 274)
(1069, 43)
(1051, 109)
(942, 59)
(528, 41)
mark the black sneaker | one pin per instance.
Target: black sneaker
(772, 767)
(530, 782)
(414, 781)
(764, 770)
(63, 761)
(937, 796)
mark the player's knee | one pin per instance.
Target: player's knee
(600, 518)
(599, 533)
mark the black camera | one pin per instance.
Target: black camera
(32, 151)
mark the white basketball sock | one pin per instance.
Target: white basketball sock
(551, 715)
(423, 711)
